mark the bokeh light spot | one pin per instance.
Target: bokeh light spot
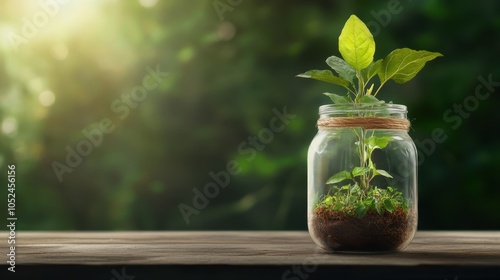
(148, 3)
(36, 85)
(47, 98)
(9, 126)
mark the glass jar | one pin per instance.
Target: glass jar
(362, 179)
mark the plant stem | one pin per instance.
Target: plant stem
(360, 85)
(381, 85)
(362, 156)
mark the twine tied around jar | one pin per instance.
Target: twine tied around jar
(365, 122)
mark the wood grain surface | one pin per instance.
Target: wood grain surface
(444, 248)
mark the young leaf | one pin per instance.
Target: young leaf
(337, 207)
(371, 70)
(383, 173)
(329, 200)
(356, 44)
(344, 70)
(369, 90)
(324, 76)
(370, 99)
(388, 205)
(337, 99)
(375, 142)
(355, 189)
(369, 203)
(378, 208)
(358, 171)
(406, 205)
(361, 211)
(339, 177)
(401, 65)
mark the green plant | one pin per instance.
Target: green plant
(360, 196)
(357, 68)
(355, 71)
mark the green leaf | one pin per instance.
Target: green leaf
(358, 171)
(369, 99)
(361, 211)
(339, 177)
(337, 207)
(344, 70)
(324, 76)
(369, 90)
(375, 142)
(406, 205)
(329, 200)
(383, 173)
(337, 99)
(369, 203)
(401, 65)
(355, 189)
(378, 208)
(356, 44)
(371, 70)
(388, 205)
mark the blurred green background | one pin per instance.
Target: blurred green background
(229, 64)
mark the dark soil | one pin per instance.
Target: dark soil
(338, 231)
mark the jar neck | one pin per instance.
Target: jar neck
(363, 110)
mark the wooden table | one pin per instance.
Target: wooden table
(245, 255)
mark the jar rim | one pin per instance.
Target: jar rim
(362, 107)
